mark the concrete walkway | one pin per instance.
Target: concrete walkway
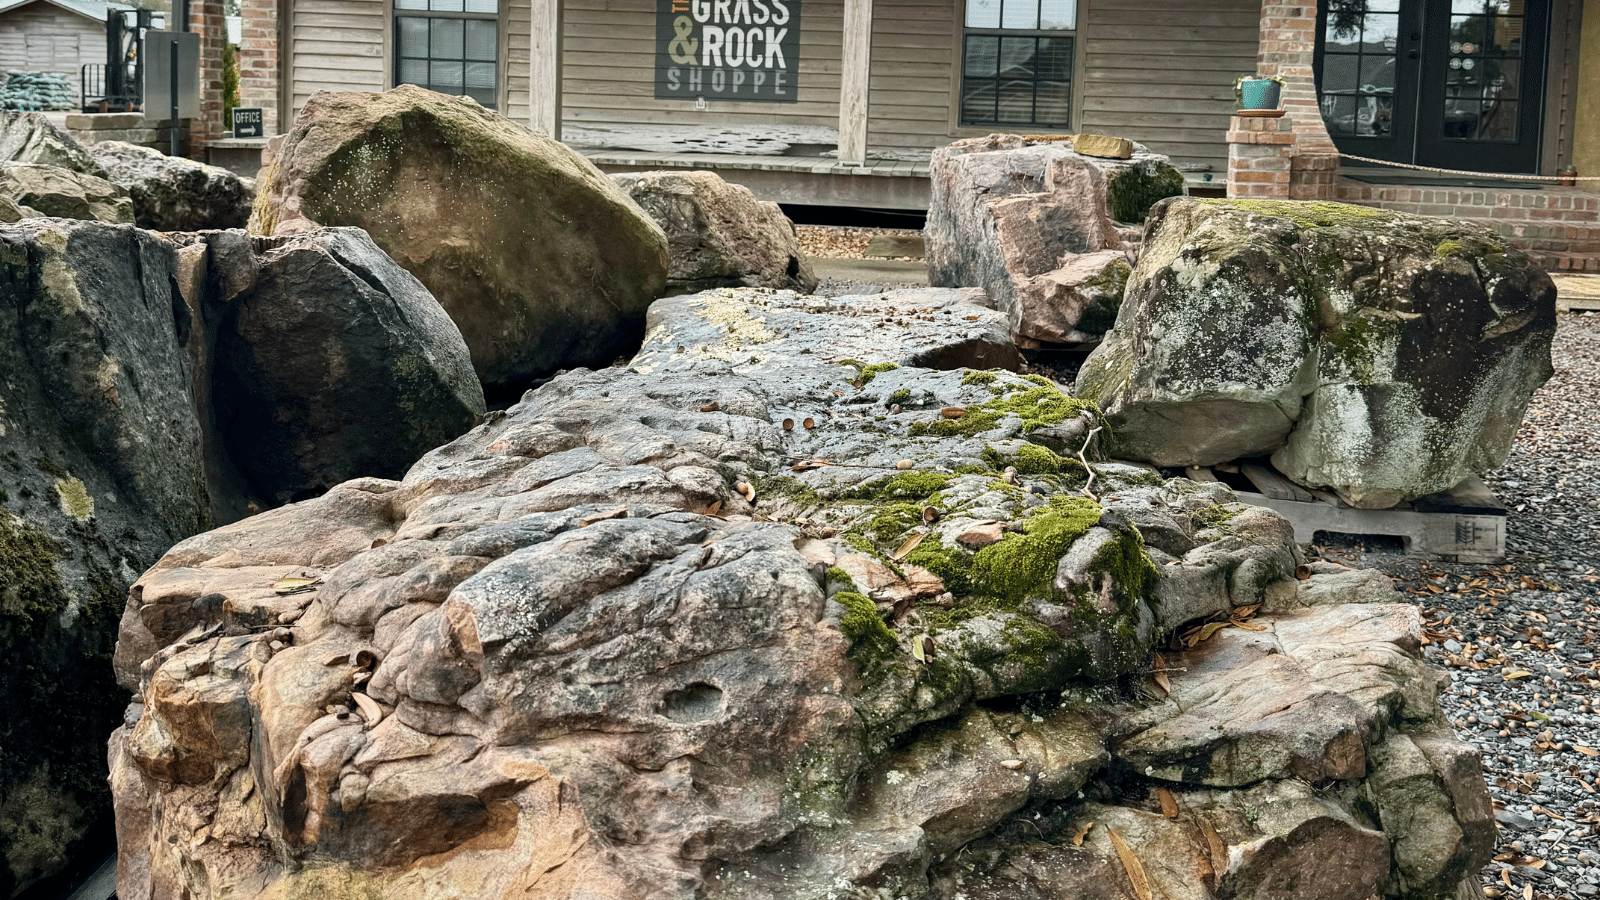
(874, 271)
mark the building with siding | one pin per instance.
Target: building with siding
(57, 36)
(840, 101)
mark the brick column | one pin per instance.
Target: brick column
(1288, 46)
(1260, 156)
(258, 60)
(206, 18)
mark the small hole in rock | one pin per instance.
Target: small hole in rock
(695, 703)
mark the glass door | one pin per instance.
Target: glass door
(1455, 84)
(1483, 85)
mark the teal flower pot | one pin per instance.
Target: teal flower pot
(1259, 93)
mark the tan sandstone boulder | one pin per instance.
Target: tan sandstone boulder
(540, 259)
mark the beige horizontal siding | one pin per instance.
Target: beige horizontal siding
(1161, 73)
(336, 45)
(41, 37)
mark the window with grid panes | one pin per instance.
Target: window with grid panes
(449, 46)
(1016, 62)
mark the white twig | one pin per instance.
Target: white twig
(1083, 458)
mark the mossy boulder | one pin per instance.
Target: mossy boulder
(541, 260)
(1035, 224)
(100, 471)
(1383, 355)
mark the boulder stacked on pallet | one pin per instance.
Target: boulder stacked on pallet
(1381, 355)
(1036, 225)
(752, 618)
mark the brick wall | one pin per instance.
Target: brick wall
(206, 18)
(258, 60)
(1288, 45)
(1558, 227)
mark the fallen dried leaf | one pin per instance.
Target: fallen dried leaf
(1586, 751)
(295, 584)
(1519, 673)
(953, 412)
(930, 515)
(746, 490)
(620, 512)
(1077, 839)
(370, 710)
(710, 407)
(910, 545)
(1169, 803)
(1215, 846)
(1131, 865)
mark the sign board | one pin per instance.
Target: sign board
(158, 77)
(745, 50)
(247, 122)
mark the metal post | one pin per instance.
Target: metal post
(172, 74)
(183, 16)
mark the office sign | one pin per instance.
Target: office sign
(247, 122)
(746, 50)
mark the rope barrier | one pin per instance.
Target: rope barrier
(1555, 178)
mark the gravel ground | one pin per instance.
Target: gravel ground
(1519, 640)
(842, 242)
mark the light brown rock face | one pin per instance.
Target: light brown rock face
(29, 137)
(1015, 216)
(540, 259)
(1382, 355)
(63, 193)
(719, 234)
(653, 634)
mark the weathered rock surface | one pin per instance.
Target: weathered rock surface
(719, 234)
(63, 193)
(1382, 355)
(328, 361)
(172, 193)
(28, 137)
(1011, 214)
(538, 257)
(100, 472)
(137, 377)
(653, 634)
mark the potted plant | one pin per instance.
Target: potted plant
(1258, 91)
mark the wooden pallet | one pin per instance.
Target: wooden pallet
(1463, 524)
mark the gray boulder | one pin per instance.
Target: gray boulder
(327, 361)
(719, 234)
(1382, 355)
(63, 193)
(539, 258)
(1011, 214)
(722, 622)
(171, 193)
(101, 456)
(29, 137)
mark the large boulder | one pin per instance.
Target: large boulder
(101, 456)
(171, 193)
(743, 619)
(719, 234)
(1383, 355)
(29, 137)
(64, 193)
(327, 361)
(1012, 214)
(541, 260)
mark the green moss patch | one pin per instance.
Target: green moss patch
(862, 625)
(1040, 405)
(1130, 192)
(977, 377)
(867, 373)
(1306, 213)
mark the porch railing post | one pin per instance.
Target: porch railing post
(855, 82)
